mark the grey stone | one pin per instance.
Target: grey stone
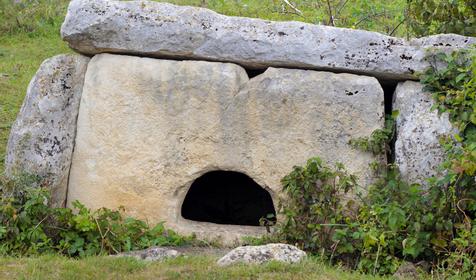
(147, 128)
(42, 138)
(418, 152)
(151, 254)
(406, 270)
(164, 30)
(261, 254)
(443, 41)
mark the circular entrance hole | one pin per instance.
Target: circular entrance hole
(228, 197)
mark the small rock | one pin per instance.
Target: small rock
(151, 254)
(261, 254)
(407, 270)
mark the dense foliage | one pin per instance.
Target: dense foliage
(396, 220)
(314, 204)
(29, 226)
(426, 17)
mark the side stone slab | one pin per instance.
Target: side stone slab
(167, 31)
(418, 152)
(42, 138)
(147, 128)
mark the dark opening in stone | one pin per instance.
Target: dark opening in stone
(255, 72)
(389, 91)
(228, 197)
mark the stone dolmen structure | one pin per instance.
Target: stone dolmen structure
(187, 116)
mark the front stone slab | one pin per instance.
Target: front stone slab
(42, 138)
(147, 128)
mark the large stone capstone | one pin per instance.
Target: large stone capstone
(418, 152)
(164, 30)
(147, 128)
(42, 138)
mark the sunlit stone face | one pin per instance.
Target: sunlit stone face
(148, 128)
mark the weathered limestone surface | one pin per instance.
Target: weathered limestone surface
(165, 30)
(417, 149)
(147, 128)
(261, 254)
(151, 254)
(42, 138)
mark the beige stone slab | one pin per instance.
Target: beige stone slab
(147, 128)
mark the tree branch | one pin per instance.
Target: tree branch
(331, 17)
(292, 7)
(341, 7)
(396, 27)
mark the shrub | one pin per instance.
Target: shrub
(313, 208)
(29, 226)
(426, 17)
(397, 220)
(454, 89)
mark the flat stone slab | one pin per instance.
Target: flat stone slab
(167, 31)
(42, 138)
(262, 254)
(147, 128)
(418, 152)
(151, 254)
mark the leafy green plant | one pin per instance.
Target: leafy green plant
(374, 235)
(312, 209)
(397, 221)
(426, 17)
(452, 80)
(29, 226)
(379, 140)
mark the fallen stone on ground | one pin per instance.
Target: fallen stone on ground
(151, 254)
(407, 270)
(261, 254)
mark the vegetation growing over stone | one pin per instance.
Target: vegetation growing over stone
(29, 226)
(397, 220)
(426, 17)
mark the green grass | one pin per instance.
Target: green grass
(203, 267)
(20, 57)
